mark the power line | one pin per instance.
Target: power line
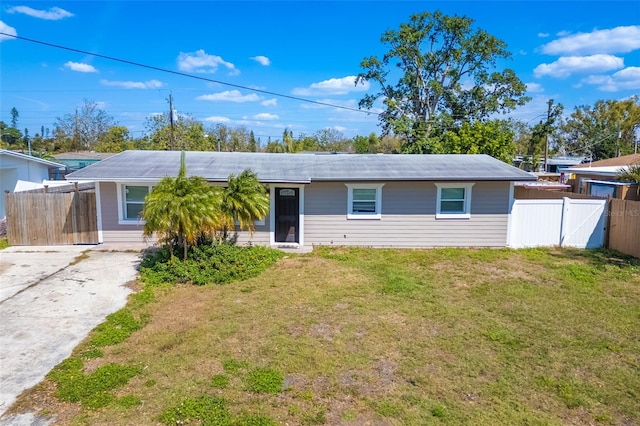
(124, 61)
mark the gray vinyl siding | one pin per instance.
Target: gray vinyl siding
(113, 232)
(408, 217)
(260, 236)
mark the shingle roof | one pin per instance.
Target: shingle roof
(83, 155)
(301, 168)
(625, 160)
(30, 158)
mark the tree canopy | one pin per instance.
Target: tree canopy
(445, 72)
(83, 128)
(607, 129)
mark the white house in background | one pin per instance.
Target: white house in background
(16, 167)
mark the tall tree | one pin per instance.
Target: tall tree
(14, 117)
(188, 133)
(446, 74)
(544, 131)
(85, 126)
(253, 143)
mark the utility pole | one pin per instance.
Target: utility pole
(75, 131)
(173, 141)
(546, 135)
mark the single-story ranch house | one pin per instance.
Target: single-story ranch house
(377, 200)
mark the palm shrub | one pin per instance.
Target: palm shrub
(244, 200)
(179, 210)
(630, 174)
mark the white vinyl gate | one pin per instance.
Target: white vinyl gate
(562, 222)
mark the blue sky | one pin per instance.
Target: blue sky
(575, 52)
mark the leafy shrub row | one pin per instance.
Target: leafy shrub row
(218, 263)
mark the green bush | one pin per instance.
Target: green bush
(218, 263)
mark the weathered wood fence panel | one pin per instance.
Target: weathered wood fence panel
(51, 218)
(624, 226)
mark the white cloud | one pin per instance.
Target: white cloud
(626, 79)
(151, 84)
(217, 119)
(567, 65)
(266, 116)
(333, 86)
(230, 96)
(262, 60)
(543, 35)
(80, 67)
(534, 88)
(269, 102)
(616, 40)
(201, 62)
(4, 28)
(53, 14)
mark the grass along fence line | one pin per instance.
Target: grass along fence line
(390, 337)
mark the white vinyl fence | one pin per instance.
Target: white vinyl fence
(561, 222)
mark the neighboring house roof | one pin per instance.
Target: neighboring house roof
(83, 155)
(625, 160)
(301, 168)
(565, 161)
(597, 171)
(29, 158)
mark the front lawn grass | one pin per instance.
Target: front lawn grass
(389, 337)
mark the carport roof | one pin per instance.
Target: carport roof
(302, 168)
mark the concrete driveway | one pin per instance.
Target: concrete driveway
(50, 298)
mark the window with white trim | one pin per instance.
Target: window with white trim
(132, 201)
(453, 200)
(364, 201)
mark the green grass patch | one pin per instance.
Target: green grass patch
(233, 366)
(128, 401)
(4, 243)
(205, 410)
(116, 328)
(220, 381)
(93, 390)
(265, 380)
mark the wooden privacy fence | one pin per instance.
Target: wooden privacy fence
(624, 226)
(51, 218)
